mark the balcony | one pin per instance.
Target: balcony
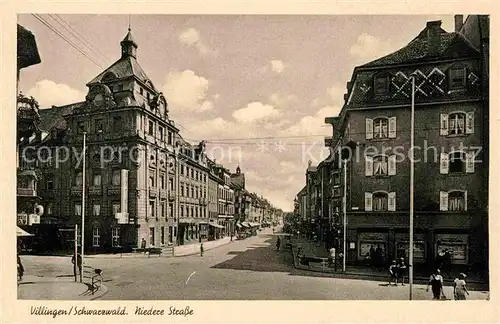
(163, 194)
(95, 191)
(114, 190)
(172, 195)
(76, 191)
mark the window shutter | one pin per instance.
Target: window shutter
(469, 162)
(392, 164)
(369, 128)
(391, 204)
(469, 123)
(445, 163)
(465, 200)
(392, 127)
(444, 124)
(443, 200)
(368, 166)
(368, 201)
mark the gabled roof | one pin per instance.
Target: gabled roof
(54, 117)
(418, 49)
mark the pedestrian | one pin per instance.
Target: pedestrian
(332, 258)
(78, 263)
(393, 271)
(201, 249)
(436, 282)
(373, 260)
(143, 245)
(459, 287)
(402, 268)
(20, 268)
(278, 243)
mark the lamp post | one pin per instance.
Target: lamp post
(412, 167)
(83, 205)
(345, 156)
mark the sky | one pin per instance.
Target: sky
(256, 88)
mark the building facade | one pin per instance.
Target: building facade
(450, 187)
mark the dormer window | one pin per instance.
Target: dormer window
(457, 78)
(381, 85)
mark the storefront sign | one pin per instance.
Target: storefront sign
(457, 244)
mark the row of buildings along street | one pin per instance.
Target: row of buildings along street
(141, 184)
(361, 192)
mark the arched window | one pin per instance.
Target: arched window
(457, 162)
(456, 201)
(381, 128)
(380, 165)
(380, 201)
(108, 76)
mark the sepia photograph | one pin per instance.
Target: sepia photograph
(252, 157)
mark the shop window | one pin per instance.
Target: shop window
(115, 236)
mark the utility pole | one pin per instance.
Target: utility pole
(344, 207)
(83, 205)
(76, 251)
(412, 166)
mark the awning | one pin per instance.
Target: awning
(226, 216)
(239, 225)
(21, 232)
(254, 224)
(203, 223)
(216, 225)
(246, 224)
(186, 221)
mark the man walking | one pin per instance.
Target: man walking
(278, 243)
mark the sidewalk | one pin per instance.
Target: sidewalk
(317, 250)
(178, 251)
(57, 288)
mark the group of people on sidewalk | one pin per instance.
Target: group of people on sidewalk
(459, 286)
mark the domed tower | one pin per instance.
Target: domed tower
(129, 46)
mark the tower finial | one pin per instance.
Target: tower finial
(128, 22)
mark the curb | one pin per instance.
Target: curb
(368, 276)
(195, 253)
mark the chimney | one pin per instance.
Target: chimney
(459, 22)
(433, 37)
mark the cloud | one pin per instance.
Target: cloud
(315, 124)
(48, 93)
(191, 37)
(256, 111)
(216, 96)
(276, 66)
(187, 91)
(336, 93)
(279, 100)
(369, 47)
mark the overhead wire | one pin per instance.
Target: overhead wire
(79, 36)
(58, 33)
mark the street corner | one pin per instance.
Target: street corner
(43, 288)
